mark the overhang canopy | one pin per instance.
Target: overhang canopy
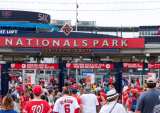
(50, 27)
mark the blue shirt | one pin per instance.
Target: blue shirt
(8, 111)
(148, 100)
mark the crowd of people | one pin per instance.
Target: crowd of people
(82, 98)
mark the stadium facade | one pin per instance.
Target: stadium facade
(27, 39)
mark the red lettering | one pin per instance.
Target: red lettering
(67, 108)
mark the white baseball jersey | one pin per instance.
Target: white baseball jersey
(66, 104)
(119, 108)
(89, 103)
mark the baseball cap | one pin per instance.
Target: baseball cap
(112, 94)
(151, 80)
(37, 90)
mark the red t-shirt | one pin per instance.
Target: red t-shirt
(23, 101)
(37, 106)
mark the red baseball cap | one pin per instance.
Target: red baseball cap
(37, 90)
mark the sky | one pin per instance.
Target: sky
(104, 12)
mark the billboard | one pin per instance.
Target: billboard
(34, 66)
(25, 16)
(89, 43)
(133, 65)
(154, 66)
(89, 66)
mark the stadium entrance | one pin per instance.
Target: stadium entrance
(93, 71)
(27, 35)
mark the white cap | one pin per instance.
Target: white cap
(112, 94)
(151, 80)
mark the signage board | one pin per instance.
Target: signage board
(133, 65)
(34, 66)
(154, 66)
(25, 16)
(67, 29)
(8, 31)
(25, 42)
(89, 66)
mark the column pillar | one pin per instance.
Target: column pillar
(62, 66)
(5, 79)
(118, 76)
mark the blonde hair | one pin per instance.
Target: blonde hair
(7, 103)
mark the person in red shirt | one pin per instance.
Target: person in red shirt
(37, 105)
(125, 97)
(102, 98)
(23, 100)
(23, 96)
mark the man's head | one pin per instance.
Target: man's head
(112, 95)
(87, 90)
(66, 91)
(151, 82)
(74, 90)
(37, 90)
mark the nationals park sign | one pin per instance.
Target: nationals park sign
(31, 42)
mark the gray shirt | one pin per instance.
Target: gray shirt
(148, 100)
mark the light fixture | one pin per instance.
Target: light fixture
(147, 54)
